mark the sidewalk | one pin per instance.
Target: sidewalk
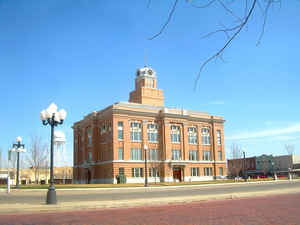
(85, 205)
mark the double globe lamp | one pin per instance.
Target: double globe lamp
(52, 117)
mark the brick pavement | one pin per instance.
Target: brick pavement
(269, 210)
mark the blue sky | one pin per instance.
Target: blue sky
(83, 54)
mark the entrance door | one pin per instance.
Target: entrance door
(177, 173)
(89, 177)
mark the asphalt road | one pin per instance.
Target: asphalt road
(269, 210)
(38, 196)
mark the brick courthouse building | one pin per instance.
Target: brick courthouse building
(181, 145)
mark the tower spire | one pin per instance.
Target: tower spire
(145, 58)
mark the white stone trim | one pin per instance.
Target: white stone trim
(198, 178)
(131, 180)
(86, 165)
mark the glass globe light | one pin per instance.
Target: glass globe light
(19, 139)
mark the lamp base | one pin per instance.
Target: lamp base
(51, 195)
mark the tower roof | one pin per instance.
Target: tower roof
(145, 72)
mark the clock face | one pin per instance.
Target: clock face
(150, 71)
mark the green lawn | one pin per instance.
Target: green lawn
(71, 186)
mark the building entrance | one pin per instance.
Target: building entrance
(177, 173)
(89, 176)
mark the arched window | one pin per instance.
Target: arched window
(135, 131)
(152, 132)
(175, 134)
(205, 136)
(192, 135)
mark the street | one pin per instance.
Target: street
(269, 210)
(91, 195)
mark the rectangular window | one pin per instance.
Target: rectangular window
(153, 172)
(220, 155)
(152, 132)
(121, 171)
(102, 128)
(175, 134)
(193, 155)
(120, 130)
(192, 135)
(89, 137)
(206, 155)
(137, 172)
(153, 154)
(194, 172)
(221, 171)
(135, 131)
(90, 156)
(219, 137)
(120, 154)
(176, 154)
(205, 136)
(208, 171)
(136, 154)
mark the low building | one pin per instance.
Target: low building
(62, 175)
(180, 145)
(265, 165)
(287, 163)
(237, 167)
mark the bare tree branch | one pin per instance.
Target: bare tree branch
(229, 10)
(36, 156)
(290, 148)
(264, 24)
(226, 30)
(148, 4)
(227, 43)
(167, 22)
(203, 6)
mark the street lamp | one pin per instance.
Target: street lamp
(244, 164)
(53, 118)
(18, 147)
(274, 170)
(146, 172)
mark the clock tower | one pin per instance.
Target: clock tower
(146, 91)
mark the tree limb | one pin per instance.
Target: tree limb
(167, 22)
(227, 43)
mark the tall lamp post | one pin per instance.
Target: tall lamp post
(244, 165)
(146, 171)
(53, 118)
(274, 170)
(18, 147)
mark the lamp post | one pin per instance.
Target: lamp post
(289, 173)
(18, 147)
(53, 118)
(274, 170)
(146, 171)
(244, 165)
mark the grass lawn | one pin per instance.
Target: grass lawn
(74, 186)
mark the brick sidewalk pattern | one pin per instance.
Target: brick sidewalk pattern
(270, 210)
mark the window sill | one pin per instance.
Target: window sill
(175, 142)
(136, 141)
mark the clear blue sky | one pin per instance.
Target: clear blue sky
(82, 55)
